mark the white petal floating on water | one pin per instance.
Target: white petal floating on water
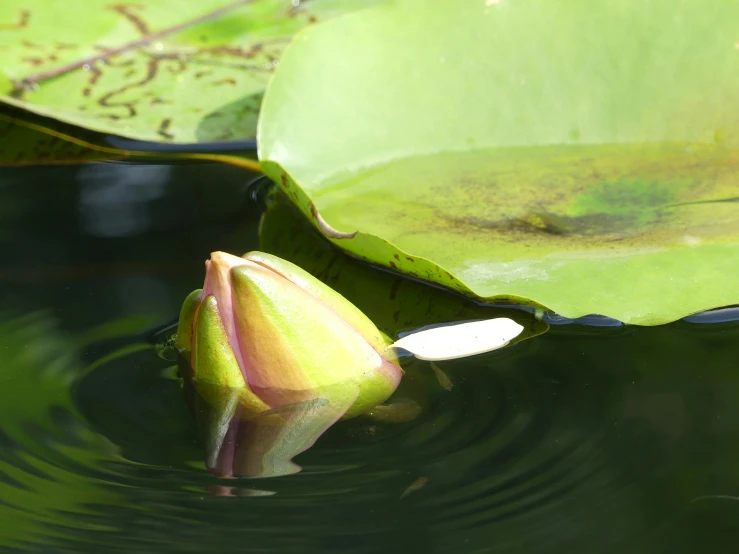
(461, 340)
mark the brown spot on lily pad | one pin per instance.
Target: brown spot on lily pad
(23, 19)
(394, 288)
(33, 61)
(163, 129)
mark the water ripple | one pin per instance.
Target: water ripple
(563, 442)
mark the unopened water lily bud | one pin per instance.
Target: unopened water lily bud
(274, 335)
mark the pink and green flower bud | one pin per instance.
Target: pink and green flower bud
(273, 335)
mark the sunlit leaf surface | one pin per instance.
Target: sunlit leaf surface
(163, 70)
(576, 155)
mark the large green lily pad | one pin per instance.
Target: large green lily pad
(163, 70)
(577, 155)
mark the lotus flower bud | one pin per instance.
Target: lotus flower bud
(270, 333)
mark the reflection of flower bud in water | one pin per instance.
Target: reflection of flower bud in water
(276, 357)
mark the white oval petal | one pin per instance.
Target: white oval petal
(462, 340)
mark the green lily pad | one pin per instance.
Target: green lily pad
(24, 142)
(163, 70)
(29, 139)
(394, 304)
(579, 156)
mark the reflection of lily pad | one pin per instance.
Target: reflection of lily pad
(47, 457)
(579, 156)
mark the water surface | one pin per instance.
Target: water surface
(584, 439)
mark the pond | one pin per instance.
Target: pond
(590, 437)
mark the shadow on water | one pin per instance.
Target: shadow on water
(581, 439)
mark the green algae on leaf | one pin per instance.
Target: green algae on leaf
(395, 304)
(578, 156)
(163, 70)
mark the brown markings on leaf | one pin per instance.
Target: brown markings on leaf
(127, 11)
(396, 257)
(23, 18)
(450, 275)
(108, 56)
(34, 61)
(234, 51)
(179, 67)
(237, 52)
(410, 259)
(111, 60)
(392, 264)
(285, 182)
(20, 86)
(159, 100)
(163, 129)
(40, 60)
(396, 315)
(394, 288)
(106, 100)
(300, 10)
(95, 74)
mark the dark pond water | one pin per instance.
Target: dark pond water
(592, 439)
